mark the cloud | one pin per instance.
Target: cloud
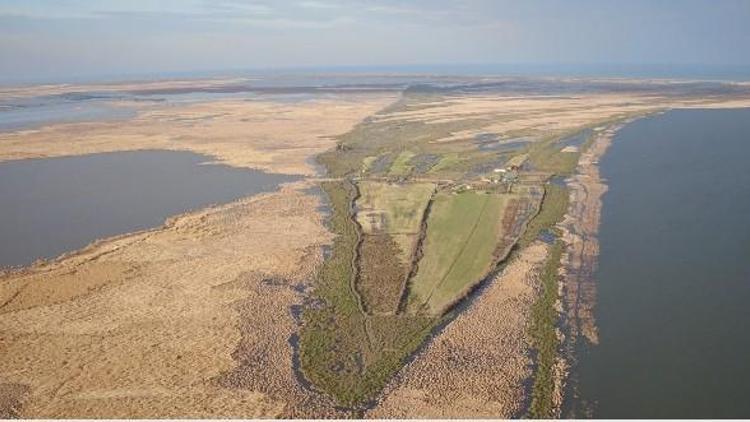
(394, 10)
(78, 9)
(187, 15)
(314, 4)
(303, 14)
(286, 23)
(238, 7)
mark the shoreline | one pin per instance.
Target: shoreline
(254, 265)
(607, 290)
(242, 281)
(579, 232)
(109, 244)
(577, 290)
(249, 261)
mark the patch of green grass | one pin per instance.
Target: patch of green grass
(367, 162)
(544, 320)
(467, 165)
(462, 234)
(552, 209)
(446, 162)
(401, 166)
(546, 156)
(544, 315)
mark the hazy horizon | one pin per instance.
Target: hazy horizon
(531, 70)
(75, 40)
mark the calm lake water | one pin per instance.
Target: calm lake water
(34, 112)
(38, 111)
(51, 206)
(674, 271)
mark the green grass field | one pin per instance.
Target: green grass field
(552, 210)
(447, 162)
(367, 163)
(462, 234)
(401, 166)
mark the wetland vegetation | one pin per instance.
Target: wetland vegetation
(433, 293)
(415, 235)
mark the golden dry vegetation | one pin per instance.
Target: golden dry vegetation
(192, 319)
(168, 322)
(232, 311)
(280, 137)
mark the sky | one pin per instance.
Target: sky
(59, 39)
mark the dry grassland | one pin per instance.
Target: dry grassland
(193, 319)
(273, 136)
(189, 320)
(541, 115)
